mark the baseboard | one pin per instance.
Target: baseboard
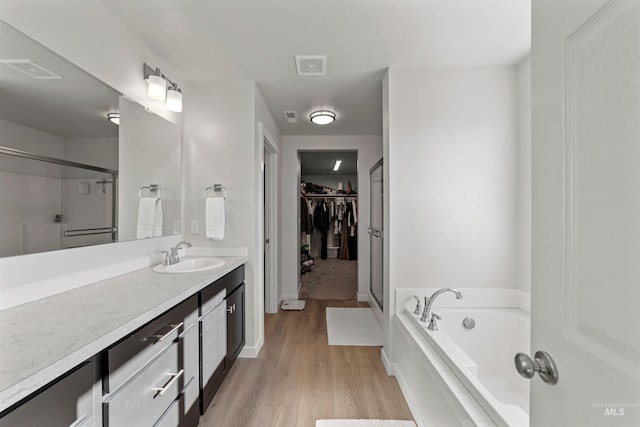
(287, 297)
(388, 366)
(251, 352)
(412, 402)
(363, 297)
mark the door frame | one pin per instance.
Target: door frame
(269, 218)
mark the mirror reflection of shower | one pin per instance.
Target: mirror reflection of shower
(104, 183)
(50, 203)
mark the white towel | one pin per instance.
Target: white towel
(147, 208)
(158, 219)
(214, 218)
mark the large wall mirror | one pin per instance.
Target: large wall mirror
(68, 176)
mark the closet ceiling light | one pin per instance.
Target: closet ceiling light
(337, 165)
(322, 117)
(114, 118)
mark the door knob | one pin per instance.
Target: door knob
(542, 363)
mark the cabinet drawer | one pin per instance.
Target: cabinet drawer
(143, 400)
(131, 354)
(180, 413)
(69, 402)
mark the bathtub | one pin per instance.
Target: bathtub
(482, 358)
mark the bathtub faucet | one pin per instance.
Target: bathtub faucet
(429, 302)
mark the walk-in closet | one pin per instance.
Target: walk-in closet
(328, 225)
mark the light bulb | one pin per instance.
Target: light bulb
(157, 87)
(174, 99)
(322, 117)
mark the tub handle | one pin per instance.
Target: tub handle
(433, 324)
(418, 309)
(542, 363)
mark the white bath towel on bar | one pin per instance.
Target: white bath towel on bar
(214, 218)
(157, 219)
(147, 217)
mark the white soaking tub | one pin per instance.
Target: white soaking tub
(482, 357)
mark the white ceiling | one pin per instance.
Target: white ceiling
(257, 40)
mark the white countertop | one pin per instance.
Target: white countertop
(43, 339)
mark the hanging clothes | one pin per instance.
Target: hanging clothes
(352, 238)
(321, 222)
(306, 220)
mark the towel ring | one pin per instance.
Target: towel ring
(217, 188)
(154, 191)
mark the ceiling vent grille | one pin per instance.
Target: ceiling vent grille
(31, 69)
(291, 116)
(311, 65)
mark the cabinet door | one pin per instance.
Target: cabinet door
(235, 324)
(69, 402)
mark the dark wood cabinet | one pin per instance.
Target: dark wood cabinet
(235, 324)
(211, 377)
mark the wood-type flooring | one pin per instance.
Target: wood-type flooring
(298, 378)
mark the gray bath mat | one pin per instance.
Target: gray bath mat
(353, 326)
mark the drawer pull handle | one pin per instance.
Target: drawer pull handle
(174, 378)
(173, 329)
(231, 309)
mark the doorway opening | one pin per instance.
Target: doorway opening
(328, 225)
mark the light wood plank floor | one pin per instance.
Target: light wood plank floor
(298, 378)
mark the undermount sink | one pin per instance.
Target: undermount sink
(190, 265)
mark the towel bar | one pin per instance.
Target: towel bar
(217, 188)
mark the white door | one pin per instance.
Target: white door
(586, 211)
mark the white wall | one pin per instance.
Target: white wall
(450, 180)
(222, 148)
(96, 151)
(523, 171)
(76, 30)
(369, 148)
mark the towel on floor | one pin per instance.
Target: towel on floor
(147, 217)
(214, 218)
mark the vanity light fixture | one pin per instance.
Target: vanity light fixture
(158, 88)
(174, 98)
(337, 165)
(322, 117)
(114, 118)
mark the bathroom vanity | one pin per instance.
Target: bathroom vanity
(126, 351)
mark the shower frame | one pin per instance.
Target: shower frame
(114, 175)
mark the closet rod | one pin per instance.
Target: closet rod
(328, 196)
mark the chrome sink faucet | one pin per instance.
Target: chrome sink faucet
(429, 302)
(173, 255)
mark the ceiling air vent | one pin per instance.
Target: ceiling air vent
(291, 116)
(31, 69)
(311, 65)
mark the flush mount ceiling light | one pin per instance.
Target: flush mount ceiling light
(322, 117)
(337, 165)
(158, 88)
(114, 118)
